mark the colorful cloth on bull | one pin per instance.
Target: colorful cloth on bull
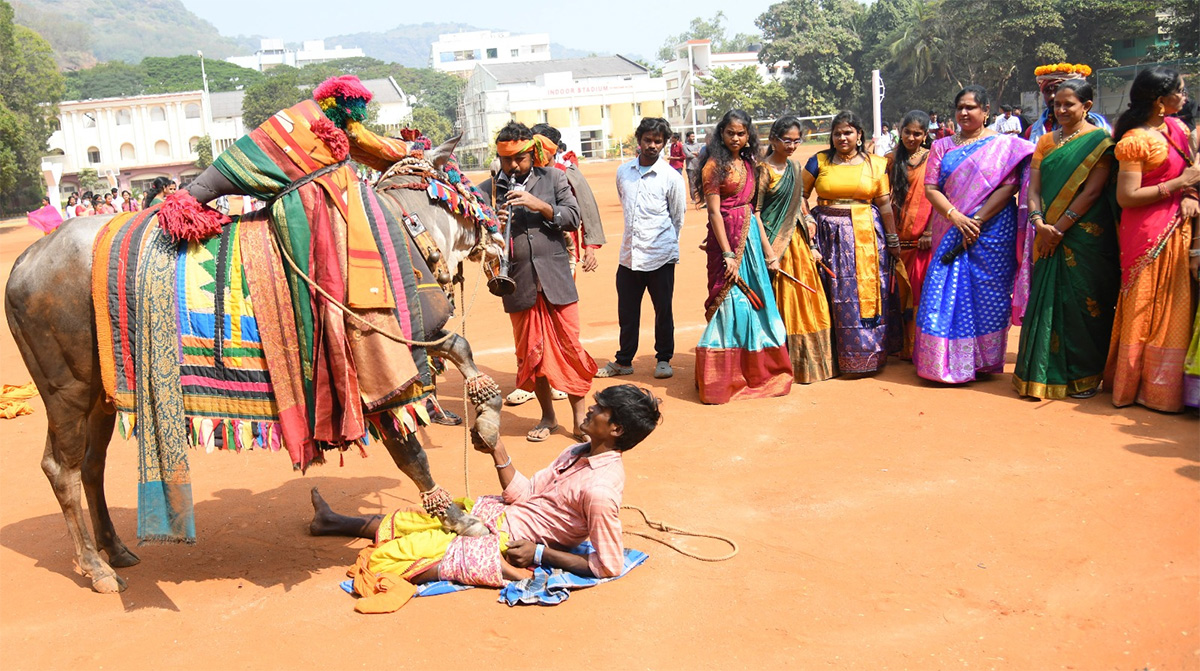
(323, 224)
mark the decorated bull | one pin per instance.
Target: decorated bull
(305, 327)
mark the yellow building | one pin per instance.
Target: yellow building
(595, 102)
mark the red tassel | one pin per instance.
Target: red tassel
(334, 137)
(186, 219)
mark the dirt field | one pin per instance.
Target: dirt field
(884, 523)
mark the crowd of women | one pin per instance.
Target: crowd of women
(1084, 239)
(111, 202)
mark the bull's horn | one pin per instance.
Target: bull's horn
(441, 154)
(210, 185)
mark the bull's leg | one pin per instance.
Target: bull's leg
(62, 462)
(410, 457)
(99, 434)
(482, 390)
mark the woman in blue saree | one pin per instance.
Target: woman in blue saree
(967, 299)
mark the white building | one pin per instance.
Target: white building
(127, 141)
(694, 60)
(460, 52)
(273, 52)
(595, 102)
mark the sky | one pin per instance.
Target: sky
(615, 26)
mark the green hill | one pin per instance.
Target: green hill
(83, 32)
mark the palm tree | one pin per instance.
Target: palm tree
(921, 46)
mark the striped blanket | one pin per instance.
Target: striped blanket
(199, 347)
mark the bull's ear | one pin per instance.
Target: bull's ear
(442, 152)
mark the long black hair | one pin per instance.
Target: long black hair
(1148, 87)
(716, 151)
(156, 188)
(899, 174)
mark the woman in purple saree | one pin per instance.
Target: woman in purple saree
(967, 300)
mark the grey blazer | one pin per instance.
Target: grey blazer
(539, 251)
(589, 210)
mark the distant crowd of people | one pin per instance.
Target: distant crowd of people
(91, 203)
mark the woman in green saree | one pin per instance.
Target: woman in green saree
(1076, 269)
(798, 289)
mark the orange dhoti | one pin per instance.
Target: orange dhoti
(547, 340)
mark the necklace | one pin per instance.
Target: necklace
(959, 140)
(1059, 140)
(838, 160)
(920, 156)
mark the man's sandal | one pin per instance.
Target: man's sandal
(519, 396)
(613, 369)
(540, 433)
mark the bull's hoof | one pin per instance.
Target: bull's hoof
(488, 429)
(123, 558)
(109, 584)
(473, 527)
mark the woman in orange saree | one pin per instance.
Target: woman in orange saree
(906, 167)
(1156, 188)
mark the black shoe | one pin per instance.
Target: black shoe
(444, 417)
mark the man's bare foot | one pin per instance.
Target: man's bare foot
(323, 515)
(325, 522)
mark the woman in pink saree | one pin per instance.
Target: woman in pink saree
(1156, 186)
(967, 299)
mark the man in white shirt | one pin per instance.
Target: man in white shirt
(1007, 124)
(654, 200)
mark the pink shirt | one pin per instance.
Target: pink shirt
(576, 498)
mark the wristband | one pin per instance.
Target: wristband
(505, 465)
(951, 211)
(537, 554)
(1071, 215)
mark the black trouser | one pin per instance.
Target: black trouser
(631, 284)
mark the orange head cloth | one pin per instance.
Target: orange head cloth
(373, 150)
(543, 149)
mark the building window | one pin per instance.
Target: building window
(193, 143)
(1127, 44)
(93, 155)
(543, 117)
(605, 112)
(493, 53)
(637, 109)
(158, 114)
(446, 57)
(161, 148)
(540, 48)
(574, 116)
(124, 117)
(191, 111)
(127, 153)
(591, 143)
(514, 52)
(466, 55)
(89, 119)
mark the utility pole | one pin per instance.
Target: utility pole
(877, 92)
(207, 102)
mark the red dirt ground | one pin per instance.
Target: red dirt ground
(884, 523)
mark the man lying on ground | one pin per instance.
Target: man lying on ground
(535, 521)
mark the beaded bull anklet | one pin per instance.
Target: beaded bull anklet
(481, 389)
(436, 501)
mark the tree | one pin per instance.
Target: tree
(280, 90)
(433, 89)
(430, 122)
(819, 41)
(90, 180)
(204, 152)
(106, 80)
(743, 89)
(1179, 22)
(714, 30)
(30, 89)
(183, 73)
